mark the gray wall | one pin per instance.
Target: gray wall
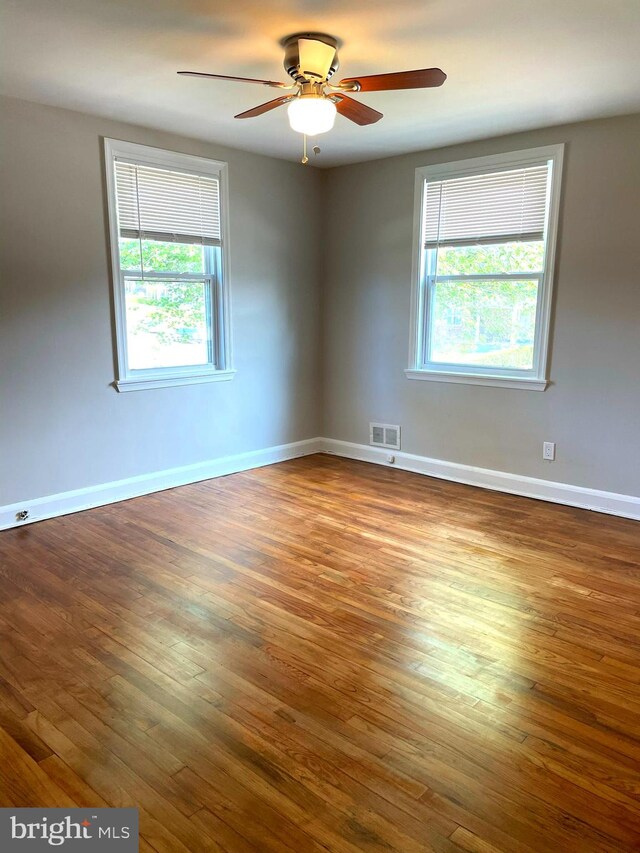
(592, 409)
(62, 425)
(307, 304)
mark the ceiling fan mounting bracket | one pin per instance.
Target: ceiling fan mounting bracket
(292, 55)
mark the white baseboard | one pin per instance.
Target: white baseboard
(132, 487)
(627, 506)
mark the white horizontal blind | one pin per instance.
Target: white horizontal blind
(163, 204)
(491, 208)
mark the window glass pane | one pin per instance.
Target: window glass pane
(161, 257)
(491, 259)
(484, 323)
(166, 323)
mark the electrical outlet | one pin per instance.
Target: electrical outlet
(549, 450)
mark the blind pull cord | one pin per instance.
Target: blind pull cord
(139, 225)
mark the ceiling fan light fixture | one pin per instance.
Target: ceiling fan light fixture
(311, 114)
(311, 60)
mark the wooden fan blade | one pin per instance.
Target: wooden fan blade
(422, 79)
(265, 108)
(355, 111)
(315, 58)
(237, 79)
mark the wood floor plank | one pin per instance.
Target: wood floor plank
(24, 781)
(325, 655)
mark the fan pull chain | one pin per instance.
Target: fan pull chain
(305, 159)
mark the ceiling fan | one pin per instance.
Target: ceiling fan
(311, 59)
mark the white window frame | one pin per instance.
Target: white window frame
(535, 379)
(216, 274)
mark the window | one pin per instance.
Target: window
(484, 256)
(167, 216)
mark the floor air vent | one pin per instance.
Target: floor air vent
(384, 435)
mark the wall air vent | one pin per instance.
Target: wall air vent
(384, 435)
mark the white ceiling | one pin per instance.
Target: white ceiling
(512, 65)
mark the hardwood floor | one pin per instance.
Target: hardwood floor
(328, 655)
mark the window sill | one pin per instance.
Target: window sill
(527, 384)
(145, 383)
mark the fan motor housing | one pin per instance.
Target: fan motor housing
(292, 54)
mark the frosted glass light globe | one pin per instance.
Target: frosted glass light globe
(311, 114)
